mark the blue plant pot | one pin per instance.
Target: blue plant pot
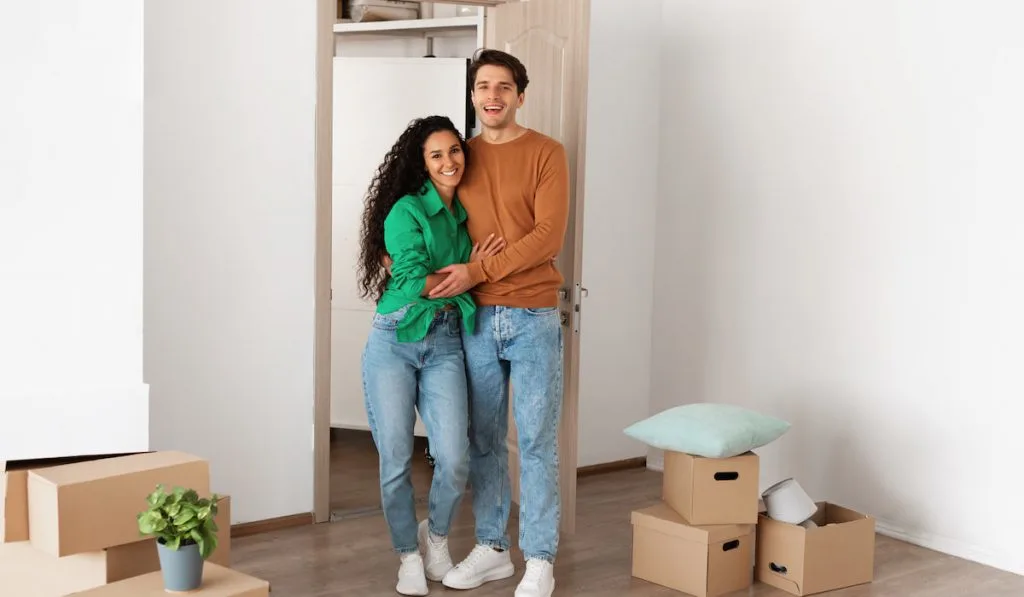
(182, 569)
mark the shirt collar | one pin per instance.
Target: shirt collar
(433, 205)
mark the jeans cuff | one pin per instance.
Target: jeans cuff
(499, 545)
(550, 559)
(432, 533)
(402, 551)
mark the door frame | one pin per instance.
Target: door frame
(326, 15)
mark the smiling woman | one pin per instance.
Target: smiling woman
(413, 359)
(446, 160)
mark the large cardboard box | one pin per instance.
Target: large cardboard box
(14, 493)
(28, 572)
(13, 504)
(705, 561)
(712, 490)
(90, 506)
(838, 553)
(217, 582)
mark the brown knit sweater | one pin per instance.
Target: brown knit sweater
(518, 190)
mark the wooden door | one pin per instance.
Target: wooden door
(551, 37)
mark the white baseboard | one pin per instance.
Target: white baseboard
(70, 421)
(1007, 562)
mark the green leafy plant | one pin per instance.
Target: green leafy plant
(181, 518)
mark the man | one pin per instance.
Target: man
(516, 186)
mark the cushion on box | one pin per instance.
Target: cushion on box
(709, 430)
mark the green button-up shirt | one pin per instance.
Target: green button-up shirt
(423, 236)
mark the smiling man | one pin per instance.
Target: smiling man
(517, 186)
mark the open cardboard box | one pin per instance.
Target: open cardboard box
(838, 553)
(705, 561)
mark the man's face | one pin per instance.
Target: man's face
(495, 96)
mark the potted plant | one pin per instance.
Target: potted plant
(185, 532)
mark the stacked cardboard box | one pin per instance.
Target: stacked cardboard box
(700, 539)
(70, 525)
(710, 536)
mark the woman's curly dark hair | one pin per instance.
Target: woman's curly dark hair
(403, 172)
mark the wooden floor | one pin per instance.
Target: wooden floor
(355, 473)
(352, 557)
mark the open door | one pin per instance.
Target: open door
(551, 37)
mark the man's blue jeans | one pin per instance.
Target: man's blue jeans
(400, 378)
(524, 347)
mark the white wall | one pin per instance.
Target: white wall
(229, 237)
(619, 216)
(71, 229)
(838, 244)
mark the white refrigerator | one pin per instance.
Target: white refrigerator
(374, 101)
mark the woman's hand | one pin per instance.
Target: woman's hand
(491, 246)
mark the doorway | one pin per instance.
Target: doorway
(551, 38)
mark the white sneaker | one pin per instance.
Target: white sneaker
(539, 580)
(411, 580)
(435, 553)
(483, 564)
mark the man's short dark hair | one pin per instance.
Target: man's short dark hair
(498, 58)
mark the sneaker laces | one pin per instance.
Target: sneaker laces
(475, 556)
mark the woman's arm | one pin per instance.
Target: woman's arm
(410, 263)
(432, 281)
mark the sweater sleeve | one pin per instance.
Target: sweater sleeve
(403, 237)
(551, 216)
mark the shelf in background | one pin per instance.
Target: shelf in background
(409, 26)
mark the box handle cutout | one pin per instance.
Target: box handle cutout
(776, 568)
(730, 545)
(726, 476)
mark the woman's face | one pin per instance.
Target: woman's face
(444, 158)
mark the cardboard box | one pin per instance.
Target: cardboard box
(217, 582)
(14, 493)
(90, 506)
(28, 572)
(705, 561)
(222, 556)
(839, 553)
(712, 490)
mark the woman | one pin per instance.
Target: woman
(413, 360)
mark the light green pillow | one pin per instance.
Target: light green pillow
(709, 430)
